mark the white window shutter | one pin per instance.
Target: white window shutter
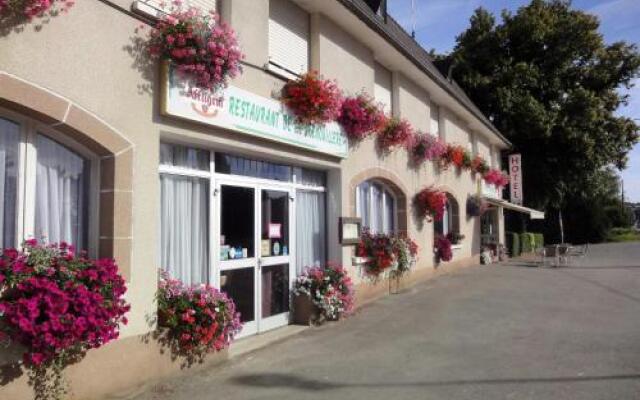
(382, 90)
(288, 36)
(434, 125)
(204, 5)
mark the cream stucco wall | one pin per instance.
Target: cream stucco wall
(91, 57)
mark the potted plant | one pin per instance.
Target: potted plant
(312, 100)
(58, 305)
(442, 249)
(360, 117)
(430, 204)
(476, 206)
(322, 294)
(386, 253)
(455, 237)
(426, 147)
(197, 319)
(201, 47)
(396, 132)
(30, 9)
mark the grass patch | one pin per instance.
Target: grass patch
(623, 235)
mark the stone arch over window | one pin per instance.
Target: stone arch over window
(450, 222)
(389, 182)
(113, 150)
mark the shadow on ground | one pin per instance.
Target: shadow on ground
(301, 383)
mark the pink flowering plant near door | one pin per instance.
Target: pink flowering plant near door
(58, 305)
(195, 320)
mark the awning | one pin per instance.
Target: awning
(534, 214)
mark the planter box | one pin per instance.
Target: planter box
(304, 311)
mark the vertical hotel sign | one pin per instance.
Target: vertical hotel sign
(515, 178)
(241, 111)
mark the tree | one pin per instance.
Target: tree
(545, 77)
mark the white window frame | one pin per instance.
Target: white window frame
(25, 201)
(214, 178)
(385, 189)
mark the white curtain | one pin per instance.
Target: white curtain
(9, 144)
(61, 194)
(184, 222)
(310, 230)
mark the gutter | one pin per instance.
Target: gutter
(366, 15)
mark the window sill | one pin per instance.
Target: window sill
(281, 72)
(359, 260)
(146, 10)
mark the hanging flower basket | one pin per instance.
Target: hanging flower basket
(455, 155)
(396, 132)
(360, 117)
(442, 249)
(201, 47)
(497, 178)
(58, 305)
(197, 320)
(430, 204)
(30, 9)
(312, 100)
(427, 147)
(392, 253)
(479, 165)
(476, 206)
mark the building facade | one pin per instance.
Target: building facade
(100, 151)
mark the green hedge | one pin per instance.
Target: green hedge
(538, 240)
(527, 242)
(513, 244)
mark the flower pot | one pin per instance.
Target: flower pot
(304, 311)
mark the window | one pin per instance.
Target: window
(382, 90)
(45, 186)
(434, 126)
(450, 222)
(288, 37)
(376, 205)
(157, 8)
(187, 176)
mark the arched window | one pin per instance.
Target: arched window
(377, 206)
(44, 185)
(450, 222)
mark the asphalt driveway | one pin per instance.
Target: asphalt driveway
(496, 332)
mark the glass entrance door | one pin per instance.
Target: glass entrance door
(254, 252)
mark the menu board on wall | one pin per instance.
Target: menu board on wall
(242, 111)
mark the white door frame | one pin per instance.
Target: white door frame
(256, 262)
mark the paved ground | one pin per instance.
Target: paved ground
(498, 332)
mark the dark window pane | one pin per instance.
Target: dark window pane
(238, 284)
(275, 290)
(237, 222)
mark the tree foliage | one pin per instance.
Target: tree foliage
(550, 83)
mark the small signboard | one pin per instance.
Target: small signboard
(515, 178)
(350, 229)
(275, 231)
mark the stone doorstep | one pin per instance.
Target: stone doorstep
(255, 342)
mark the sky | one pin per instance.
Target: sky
(438, 22)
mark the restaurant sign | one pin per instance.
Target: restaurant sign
(242, 111)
